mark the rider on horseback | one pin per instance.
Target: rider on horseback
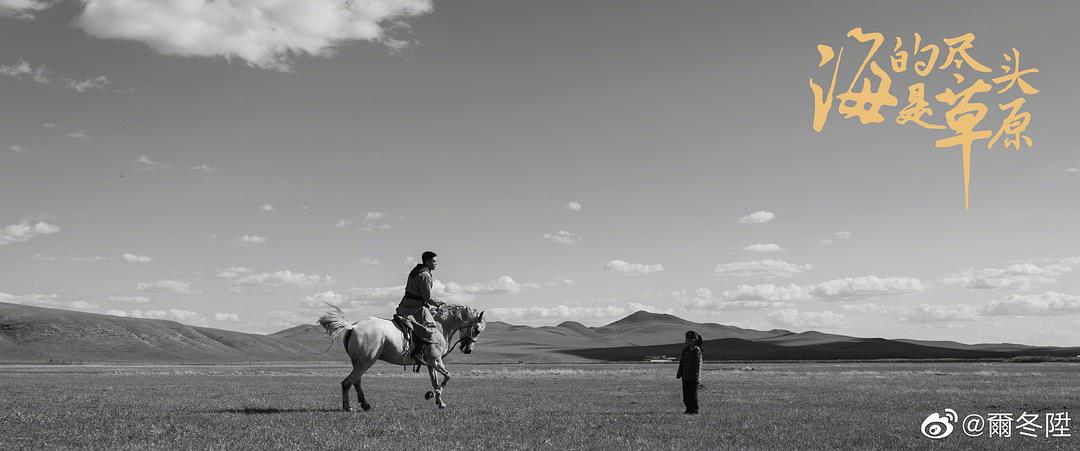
(415, 305)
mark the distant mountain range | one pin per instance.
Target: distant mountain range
(37, 334)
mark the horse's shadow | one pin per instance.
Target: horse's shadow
(272, 410)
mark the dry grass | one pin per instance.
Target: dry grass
(761, 406)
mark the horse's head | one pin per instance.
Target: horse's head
(471, 332)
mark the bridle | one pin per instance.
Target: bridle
(464, 340)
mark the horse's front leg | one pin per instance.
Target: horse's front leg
(436, 389)
(442, 370)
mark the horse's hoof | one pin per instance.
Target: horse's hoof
(365, 406)
(442, 406)
(429, 395)
(348, 409)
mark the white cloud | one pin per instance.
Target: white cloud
(453, 292)
(757, 217)
(267, 207)
(263, 33)
(319, 300)
(132, 258)
(83, 305)
(1018, 276)
(562, 237)
(17, 149)
(763, 247)
(868, 307)
(368, 261)
(71, 258)
(501, 285)
(41, 75)
(573, 206)
(745, 297)
(370, 226)
(770, 295)
(866, 287)
(550, 283)
(25, 231)
(130, 299)
(368, 301)
(23, 9)
(243, 279)
(47, 300)
(837, 236)
(178, 315)
(792, 318)
(250, 240)
(767, 292)
(219, 316)
(375, 294)
(632, 269)
(205, 169)
(79, 134)
(169, 286)
(22, 68)
(926, 313)
(1072, 170)
(49, 125)
(556, 312)
(234, 272)
(96, 84)
(146, 164)
(342, 223)
(355, 299)
(1050, 303)
(769, 268)
(371, 218)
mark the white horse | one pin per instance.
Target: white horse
(376, 339)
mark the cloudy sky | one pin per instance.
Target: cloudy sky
(236, 163)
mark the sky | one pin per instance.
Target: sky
(236, 164)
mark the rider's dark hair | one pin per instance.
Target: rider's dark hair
(427, 255)
(695, 338)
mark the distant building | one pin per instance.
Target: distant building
(659, 359)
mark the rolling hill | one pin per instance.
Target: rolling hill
(37, 334)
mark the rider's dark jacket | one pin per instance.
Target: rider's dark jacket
(417, 293)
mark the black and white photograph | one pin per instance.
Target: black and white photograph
(539, 224)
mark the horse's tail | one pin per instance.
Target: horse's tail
(334, 322)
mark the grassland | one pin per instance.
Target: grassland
(597, 406)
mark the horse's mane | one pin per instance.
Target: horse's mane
(461, 313)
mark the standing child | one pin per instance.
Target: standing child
(690, 370)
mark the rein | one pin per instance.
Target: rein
(456, 343)
(452, 347)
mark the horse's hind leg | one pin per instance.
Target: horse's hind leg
(360, 390)
(353, 378)
(360, 395)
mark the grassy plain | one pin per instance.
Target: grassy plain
(594, 406)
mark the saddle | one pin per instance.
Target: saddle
(414, 343)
